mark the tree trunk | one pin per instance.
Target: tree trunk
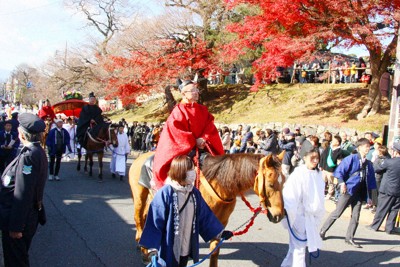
(378, 67)
(374, 99)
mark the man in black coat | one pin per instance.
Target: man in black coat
(21, 193)
(389, 191)
(90, 116)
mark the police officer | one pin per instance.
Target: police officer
(21, 193)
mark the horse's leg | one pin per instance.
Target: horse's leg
(86, 160)
(214, 256)
(91, 164)
(100, 159)
(141, 207)
(78, 168)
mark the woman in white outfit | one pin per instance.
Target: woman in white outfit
(303, 196)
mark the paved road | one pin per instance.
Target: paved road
(91, 224)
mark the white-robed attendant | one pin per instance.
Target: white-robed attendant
(71, 128)
(120, 153)
(303, 195)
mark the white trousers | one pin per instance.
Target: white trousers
(296, 256)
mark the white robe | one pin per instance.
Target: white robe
(72, 132)
(303, 197)
(118, 160)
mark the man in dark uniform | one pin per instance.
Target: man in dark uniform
(9, 144)
(3, 120)
(389, 191)
(90, 116)
(21, 193)
(14, 121)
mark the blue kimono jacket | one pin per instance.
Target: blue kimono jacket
(159, 229)
(348, 171)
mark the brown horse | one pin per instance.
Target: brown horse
(96, 145)
(226, 177)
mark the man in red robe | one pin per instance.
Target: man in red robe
(189, 125)
(46, 112)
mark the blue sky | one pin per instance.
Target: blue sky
(32, 30)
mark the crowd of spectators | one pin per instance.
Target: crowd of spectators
(333, 149)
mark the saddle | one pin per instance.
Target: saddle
(146, 173)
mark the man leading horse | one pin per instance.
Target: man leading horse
(190, 126)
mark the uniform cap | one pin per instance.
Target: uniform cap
(396, 146)
(92, 94)
(58, 120)
(31, 123)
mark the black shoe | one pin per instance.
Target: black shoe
(113, 175)
(121, 177)
(353, 243)
(393, 232)
(322, 235)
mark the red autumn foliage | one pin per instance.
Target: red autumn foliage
(288, 30)
(149, 69)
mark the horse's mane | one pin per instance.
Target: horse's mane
(234, 172)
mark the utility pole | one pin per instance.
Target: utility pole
(394, 119)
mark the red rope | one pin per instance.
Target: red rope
(197, 162)
(250, 207)
(250, 224)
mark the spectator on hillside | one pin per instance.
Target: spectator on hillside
(248, 136)
(328, 164)
(268, 143)
(226, 139)
(233, 73)
(235, 147)
(287, 143)
(237, 134)
(250, 147)
(346, 146)
(361, 68)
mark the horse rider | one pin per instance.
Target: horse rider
(47, 112)
(90, 117)
(190, 126)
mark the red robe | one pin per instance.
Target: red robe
(185, 124)
(45, 112)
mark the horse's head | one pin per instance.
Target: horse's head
(112, 135)
(268, 186)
